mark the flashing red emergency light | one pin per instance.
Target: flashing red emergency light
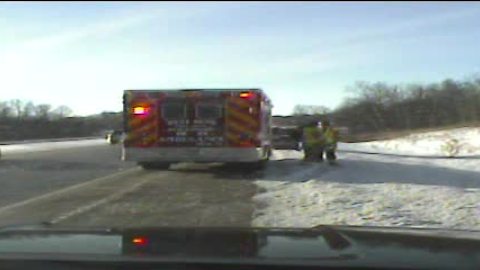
(139, 241)
(247, 95)
(140, 110)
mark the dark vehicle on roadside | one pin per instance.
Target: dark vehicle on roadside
(114, 136)
(284, 138)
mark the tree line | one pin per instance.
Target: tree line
(370, 107)
(379, 106)
(21, 120)
(18, 109)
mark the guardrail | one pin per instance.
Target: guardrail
(49, 140)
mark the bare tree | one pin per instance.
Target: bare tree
(62, 112)
(379, 106)
(17, 107)
(5, 110)
(28, 110)
(43, 111)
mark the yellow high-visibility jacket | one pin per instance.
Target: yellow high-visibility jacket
(331, 135)
(312, 136)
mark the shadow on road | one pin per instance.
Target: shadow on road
(367, 172)
(349, 171)
(410, 156)
(281, 170)
(219, 171)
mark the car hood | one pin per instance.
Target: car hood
(335, 245)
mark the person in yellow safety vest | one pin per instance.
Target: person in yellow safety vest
(330, 140)
(312, 141)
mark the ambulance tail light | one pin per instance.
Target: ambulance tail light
(140, 241)
(247, 95)
(141, 110)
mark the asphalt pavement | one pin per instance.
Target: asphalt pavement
(91, 186)
(24, 175)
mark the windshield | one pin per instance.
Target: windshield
(174, 111)
(239, 114)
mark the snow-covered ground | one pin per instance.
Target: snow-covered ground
(377, 190)
(465, 140)
(47, 146)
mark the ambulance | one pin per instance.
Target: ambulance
(163, 127)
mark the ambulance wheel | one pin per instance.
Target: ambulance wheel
(154, 165)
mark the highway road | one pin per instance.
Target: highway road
(26, 174)
(89, 186)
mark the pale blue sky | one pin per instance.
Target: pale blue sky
(85, 54)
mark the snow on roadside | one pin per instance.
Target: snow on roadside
(384, 204)
(450, 163)
(376, 190)
(429, 143)
(48, 146)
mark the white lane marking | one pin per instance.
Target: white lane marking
(88, 207)
(67, 189)
(49, 146)
(49, 140)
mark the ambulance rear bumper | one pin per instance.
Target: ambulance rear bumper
(193, 154)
